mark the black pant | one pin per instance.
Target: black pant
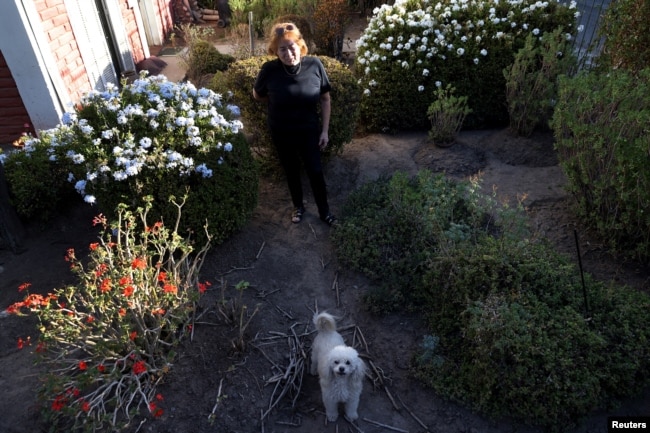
(294, 147)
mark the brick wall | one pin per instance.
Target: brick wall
(13, 115)
(65, 50)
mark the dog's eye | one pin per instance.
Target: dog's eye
(336, 362)
(347, 362)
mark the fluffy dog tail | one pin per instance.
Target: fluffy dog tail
(324, 322)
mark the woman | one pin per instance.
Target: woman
(293, 85)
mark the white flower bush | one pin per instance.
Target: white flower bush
(159, 138)
(409, 45)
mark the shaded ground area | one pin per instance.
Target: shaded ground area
(226, 380)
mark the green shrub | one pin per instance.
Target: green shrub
(409, 46)
(389, 228)
(161, 139)
(38, 186)
(531, 81)
(345, 94)
(205, 58)
(624, 28)
(601, 130)
(447, 114)
(509, 331)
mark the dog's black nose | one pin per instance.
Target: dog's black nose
(341, 369)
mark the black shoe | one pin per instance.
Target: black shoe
(296, 216)
(329, 219)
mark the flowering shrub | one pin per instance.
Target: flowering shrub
(110, 339)
(159, 138)
(466, 43)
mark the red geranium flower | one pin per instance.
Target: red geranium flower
(139, 367)
(82, 365)
(139, 263)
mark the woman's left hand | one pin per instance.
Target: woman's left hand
(324, 140)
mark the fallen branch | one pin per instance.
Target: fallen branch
(385, 426)
(412, 414)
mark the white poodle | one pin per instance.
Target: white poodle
(339, 368)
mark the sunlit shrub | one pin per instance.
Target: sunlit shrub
(154, 138)
(409, 46)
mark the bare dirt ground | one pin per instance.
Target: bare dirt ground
(220, 385)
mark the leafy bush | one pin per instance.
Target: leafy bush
(345, 94)
(154, 138)
(205, 58)
(38, 188)
(531, 81)
(110, 339)
(447, 114)
(389, 228)
(409, 46)
(509, 331)
(601, 130)
(624, 28)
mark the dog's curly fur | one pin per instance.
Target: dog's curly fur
(339, 368)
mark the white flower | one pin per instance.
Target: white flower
(234, 109)
(535, 31)
(90, 199)
(228, 147)
(425, 73)
(460, 51)
(396, 53)
(80, 186)
(420, 88)
(366, 92)
(484, 52)
(438, 84)
(475, 61)
(145, 142)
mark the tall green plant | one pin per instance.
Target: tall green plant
(625, 31)
(531, 81)
(601, 133)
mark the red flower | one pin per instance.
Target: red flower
(155, 410)
(83, 366)
(85, 406)
(139, 263)
(105, 285)
(40, 347)
(128, 291)
(203, 287)
(125, 280)
(58, 403)
(122, 312)
(21, 343)
(90, 319)
(139, 367)
(133, 335)
(159, 397)
(170, 288)
(24, 286)
(160, 311)
(162, 276)
(99, 219)
(94, 246)
(101, 268)
(101, 368)
(70, 255)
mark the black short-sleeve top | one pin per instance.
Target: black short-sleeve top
(293, 92)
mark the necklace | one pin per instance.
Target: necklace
(287, 69)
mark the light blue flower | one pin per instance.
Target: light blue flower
(90, 199)
(80, 186)
(227, 147)
(145, 142)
